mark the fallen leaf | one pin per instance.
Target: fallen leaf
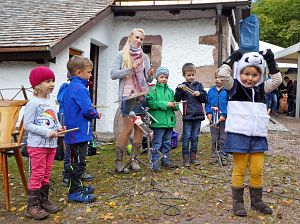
(57, 218)
(21, 209)
(287, 202)
(13, 209)
(88, 210)
(79, 218)
(112, 204)
(107, 216)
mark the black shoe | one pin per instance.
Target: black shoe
(87, 177)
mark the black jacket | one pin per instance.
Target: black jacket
(192, 109)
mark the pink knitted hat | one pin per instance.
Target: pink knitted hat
(39, 75)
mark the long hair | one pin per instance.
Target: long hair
(125, 51)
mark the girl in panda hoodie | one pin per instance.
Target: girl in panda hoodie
(247, 121)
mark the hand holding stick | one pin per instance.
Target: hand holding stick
(65, 131)
(185, 88)
(184, 101)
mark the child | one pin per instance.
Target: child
(193, 113)
(247, 121)
(216, 112)
(41, 122)
(67, 157)
(160, 100)
(79, 112)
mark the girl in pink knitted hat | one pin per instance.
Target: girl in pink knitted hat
(41, 122)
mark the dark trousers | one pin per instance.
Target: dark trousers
(67, 163)
(218, 136)
(77, 167)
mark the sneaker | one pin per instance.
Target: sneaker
(224, 162)
(156, 168)
(80, 197)
(88, 190)
(168, 164)
(213, 161)
(65, 182)
(87, 177)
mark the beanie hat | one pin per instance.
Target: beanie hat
(39, 75)
(162, 71)
(251, 59)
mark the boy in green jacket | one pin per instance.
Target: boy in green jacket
(160, 100)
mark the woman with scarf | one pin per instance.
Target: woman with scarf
(132, 67)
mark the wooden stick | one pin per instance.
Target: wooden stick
(189, 90)
(101, 106)
(69, 130)
(181, 102)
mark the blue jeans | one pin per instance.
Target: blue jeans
(191, 131)
(161, 143)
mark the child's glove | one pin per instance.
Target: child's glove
(235, 56)
(269, 57)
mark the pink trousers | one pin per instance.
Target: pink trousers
(41, 160)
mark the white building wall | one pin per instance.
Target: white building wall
(15, 74)
(180, 44)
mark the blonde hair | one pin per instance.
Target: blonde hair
(78, 63)
(36, 90)
(125, 51)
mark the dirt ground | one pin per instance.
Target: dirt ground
(198, 195)
(286, 143)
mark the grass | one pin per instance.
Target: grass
(198, 195)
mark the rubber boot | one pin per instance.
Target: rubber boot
(238, 201)
(119, 158)
(45, 203)
(34, 209)
(257, 203)
(135, 152)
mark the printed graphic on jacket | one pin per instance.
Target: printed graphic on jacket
(46, 118)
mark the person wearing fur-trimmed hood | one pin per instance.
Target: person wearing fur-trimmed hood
(247, 122)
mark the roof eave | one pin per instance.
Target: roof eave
(122, 9)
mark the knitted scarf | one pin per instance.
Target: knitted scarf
(139, 80)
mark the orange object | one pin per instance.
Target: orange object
(283, 105)
(9, 114)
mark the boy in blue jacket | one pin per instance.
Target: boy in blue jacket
(193, 113)
(216, 112)
(79, 112)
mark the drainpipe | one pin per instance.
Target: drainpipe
(220, 33)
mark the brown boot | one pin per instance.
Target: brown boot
(257, 203)
(194, 159)
(135, 152)
(119, 158)
(45, 203)
(238, 201)
(186, 161)
(34, 209)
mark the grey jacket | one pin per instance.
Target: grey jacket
(117, 72)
